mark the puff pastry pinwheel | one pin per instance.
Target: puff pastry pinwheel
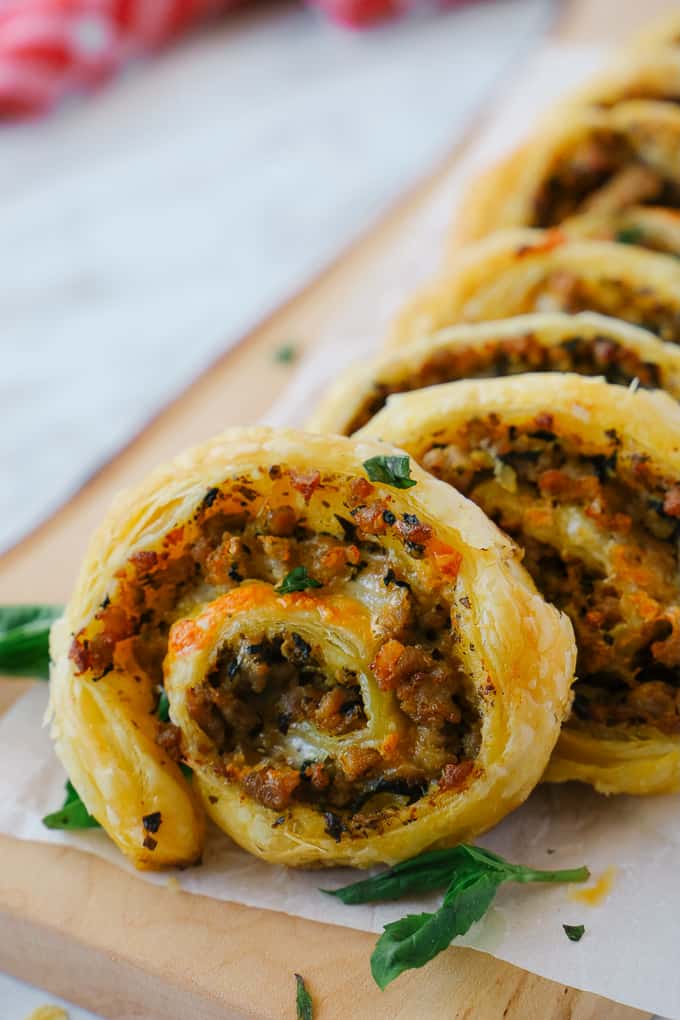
(586, 477)
(587, 343)
(585, 172)
(355, 669)
(519, 271)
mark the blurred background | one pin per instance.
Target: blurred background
(166, 179)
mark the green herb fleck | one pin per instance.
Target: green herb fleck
(72, 815)
(303, 1000)
(574, 932)
(297, 580)
(285, 354)
(470, 876)
(163, 706)
(24, 640)
(392, 470)
(630, 235)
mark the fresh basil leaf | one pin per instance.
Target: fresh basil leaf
(472, 875)
(390, 470)
(24, 640)
(428, 871)
(303, 1000)
(574, 932)
(418, 938)
(72, 815)
(297, 580)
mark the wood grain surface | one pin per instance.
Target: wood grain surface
(93, 934)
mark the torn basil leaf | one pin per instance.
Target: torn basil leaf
(390, 470)
(303, 1000)
(24, 640)
(574, 932)
(297, 580)
(72, 815)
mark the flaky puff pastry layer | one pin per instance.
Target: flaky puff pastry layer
(586, 162)
(661, 32)
(587, 343)
(626, 435)
(516, 272)
(512, 654)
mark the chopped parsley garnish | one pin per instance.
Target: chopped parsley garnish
(470, 876)
(285, 354)
(297, 579)
(72, 815)
(303, 1000)
(24, 640)
(629, 235)
(574, 932)
(392, 470)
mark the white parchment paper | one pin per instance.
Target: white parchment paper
(630, 949)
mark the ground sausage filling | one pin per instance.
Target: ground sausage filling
(564, 291)
(272, 696)
(606, 172)
(600, 534)
(596, 355)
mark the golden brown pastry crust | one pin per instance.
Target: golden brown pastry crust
(587, 343)
(634, 435)
(519, 271)
(172, 553)
(661, 32)
(650, 226)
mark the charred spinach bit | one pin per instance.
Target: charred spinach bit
(152, 822)
(285, 354)
(574, 932)
(390, 470)
(24, 640)
(303, 1000)
(297, 579)
(72, 815)
(471, 876)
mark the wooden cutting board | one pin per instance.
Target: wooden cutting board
(125, 949)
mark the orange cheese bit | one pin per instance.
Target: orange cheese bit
(596, 893)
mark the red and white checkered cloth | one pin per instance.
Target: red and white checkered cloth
(51, 48)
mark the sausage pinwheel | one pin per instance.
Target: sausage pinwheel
(520, 271)
(587, 343)
(586, 477)
(346, 654)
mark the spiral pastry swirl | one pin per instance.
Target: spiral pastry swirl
(354, 668)
(587, 343)
(516, 272)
